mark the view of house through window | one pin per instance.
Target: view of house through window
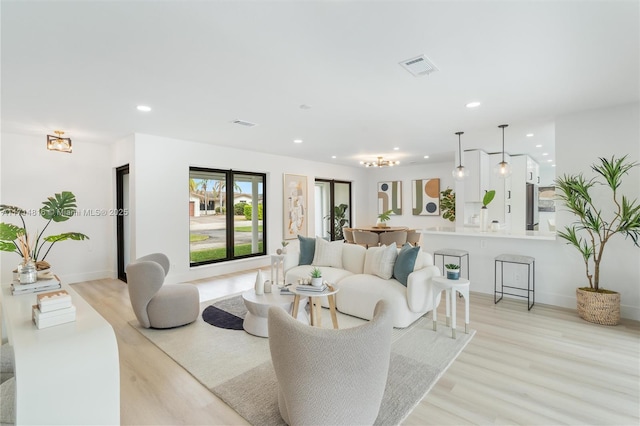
(220, 230)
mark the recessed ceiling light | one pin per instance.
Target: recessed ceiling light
(333, 156)
(549, 161)
(143, 108)
(545, 153)
(529, 135)
(538, 146)
(396, 148)
(473, 104)
(297, 141)
(426, 156)
(553, 165)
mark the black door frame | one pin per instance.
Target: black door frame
(120, 172)
(332, 201)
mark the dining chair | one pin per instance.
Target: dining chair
(395, 237)
(348, 235)
(413, 237)
(365, 238)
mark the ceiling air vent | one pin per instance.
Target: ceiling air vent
(244, 123)
(420, 65)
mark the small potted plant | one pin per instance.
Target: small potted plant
(453, 271)
(284, 246)
(382, 218)
(316, 277)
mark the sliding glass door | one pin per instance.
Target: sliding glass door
(332, 208)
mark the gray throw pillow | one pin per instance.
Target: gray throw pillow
(307, 250)
(405, 262)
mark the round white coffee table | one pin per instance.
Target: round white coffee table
(314, 308)
(255, 322)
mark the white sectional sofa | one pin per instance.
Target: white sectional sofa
(363, 277)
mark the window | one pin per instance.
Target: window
(220, 230)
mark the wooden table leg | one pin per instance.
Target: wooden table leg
(332, 309)
(318, 306)
(296, 304)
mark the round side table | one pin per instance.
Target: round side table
(451, 287)
(256, 322)
(314, 302)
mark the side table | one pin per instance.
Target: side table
(314, 303)
(451, 287)
(277, 261)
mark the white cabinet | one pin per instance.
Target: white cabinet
(477, 161)
(533, 171)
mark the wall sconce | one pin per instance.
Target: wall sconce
(380, 163)
(58, 143)
(459, 173)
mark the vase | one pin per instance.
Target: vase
(598, 308)
(453, 274)
(316, 282)
(484, 219)
(27, 272)
(259, 285)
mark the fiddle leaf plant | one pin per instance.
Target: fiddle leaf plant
(448, 204)
(59, 208)
(592, 230)
(339, 220)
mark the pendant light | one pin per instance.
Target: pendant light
(460, 172)
(502, 169)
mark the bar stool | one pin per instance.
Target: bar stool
(515, 259)
(452, 253)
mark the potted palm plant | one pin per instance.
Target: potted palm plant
(593, 228)
(382, 218)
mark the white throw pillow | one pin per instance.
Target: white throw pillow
(328, 253)
(383, 261)
(370, 260)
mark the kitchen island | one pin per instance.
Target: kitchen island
(471, 231)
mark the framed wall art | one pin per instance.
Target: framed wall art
(295, 206)
(390, 197)
(425, 197)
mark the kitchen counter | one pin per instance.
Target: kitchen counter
(469, 231)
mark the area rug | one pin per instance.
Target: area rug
(237, 366)
(227, 313)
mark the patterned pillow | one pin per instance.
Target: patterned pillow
(383, 261)
(405, 263)
(328, 253)
(307, 250)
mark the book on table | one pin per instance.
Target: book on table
(54, 300)
(36, 287)
(49, 319)
(311, 289)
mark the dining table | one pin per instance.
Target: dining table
(381, 229)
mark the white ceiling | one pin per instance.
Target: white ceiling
(84, 66)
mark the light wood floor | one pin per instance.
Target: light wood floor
(543, 366)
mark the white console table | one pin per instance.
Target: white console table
(68, 374)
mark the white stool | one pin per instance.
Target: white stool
(452, 253)
(451, 286)
(276, 261)
(530, 263)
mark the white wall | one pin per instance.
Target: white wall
(406, 174)
(160, 177)
(31, 174)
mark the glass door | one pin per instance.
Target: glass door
(332, 208)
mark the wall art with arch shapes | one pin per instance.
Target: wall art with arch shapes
(426, 197)
(390, 197)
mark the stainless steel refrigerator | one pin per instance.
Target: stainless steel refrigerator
(532, 207)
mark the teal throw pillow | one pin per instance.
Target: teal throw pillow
(307, 250)
(405, 263)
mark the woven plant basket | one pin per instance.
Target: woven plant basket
(599, 308)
